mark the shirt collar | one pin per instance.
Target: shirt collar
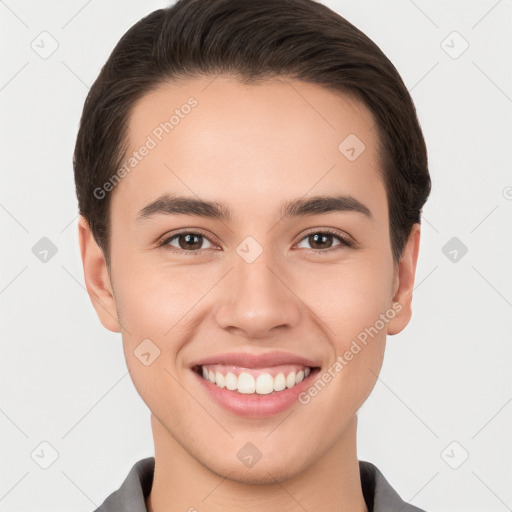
(130, 497)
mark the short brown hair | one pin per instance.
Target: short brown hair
(301, 39)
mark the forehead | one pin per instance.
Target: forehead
(247, 145)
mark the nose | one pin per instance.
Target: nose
(259, 298)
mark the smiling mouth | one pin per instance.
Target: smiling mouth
(259, 381)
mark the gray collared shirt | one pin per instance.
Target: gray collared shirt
(130, 497)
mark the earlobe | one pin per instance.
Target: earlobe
(404, 285)
(97, 280)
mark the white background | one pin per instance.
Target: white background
(446, 378)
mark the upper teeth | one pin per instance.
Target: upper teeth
(262, 382)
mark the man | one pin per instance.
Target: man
(250, 178)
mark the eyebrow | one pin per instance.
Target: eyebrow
(316, 205)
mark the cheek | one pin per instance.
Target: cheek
(353, 318)
(154, 307)
(152, 300)
(347, 298)
(354, 310)
(159, 308)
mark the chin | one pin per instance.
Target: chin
(261, 476)
(261, 473)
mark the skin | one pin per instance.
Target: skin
(251, 147)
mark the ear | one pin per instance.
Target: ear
(404, 282)
(97, 279)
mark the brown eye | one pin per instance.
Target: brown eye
(186, 241)
(322, 240)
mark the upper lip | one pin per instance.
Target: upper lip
(248, 360)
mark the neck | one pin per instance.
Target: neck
(181, 483)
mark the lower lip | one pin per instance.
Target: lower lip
(254, 405)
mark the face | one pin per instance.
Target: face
(315, 282)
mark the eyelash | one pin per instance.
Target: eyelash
(345, 242)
